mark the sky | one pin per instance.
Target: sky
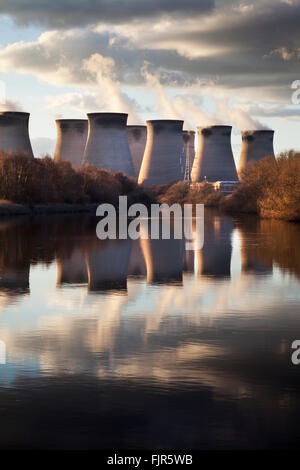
(204, 61)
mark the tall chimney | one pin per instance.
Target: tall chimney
(214, 158)
(189, 147)
(162, 158)
(14, 135)
(137, 137)
(107, 143)
(255, 146)
(71, 140)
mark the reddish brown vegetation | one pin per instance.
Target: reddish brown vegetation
(42, 181)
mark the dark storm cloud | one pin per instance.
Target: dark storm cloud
(238, 46)
(70, 13)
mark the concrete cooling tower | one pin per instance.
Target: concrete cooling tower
(161, 162)
(71, 140)
(214, 158)
(255, 146)
(137, 137)
(107, 143)
(14, 135)
(189, 149)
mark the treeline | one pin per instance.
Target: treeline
(43, 181)
(269, 188)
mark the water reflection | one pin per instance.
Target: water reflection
(108, 265)
(188, 356)
(215, 257)
(164, 260)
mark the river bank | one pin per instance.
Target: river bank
(8, 208)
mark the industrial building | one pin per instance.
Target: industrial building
(71, 141)
(137, 137)
(189, 152)
(107, 143)
(14, 134)
(162, 161)
(214, 158)
(255, 146)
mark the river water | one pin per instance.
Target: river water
(119, 344)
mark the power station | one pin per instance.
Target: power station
(189, 152)
(255, 146)
(107, 143)
(14, 134)
(137, 137)
(214, 158)
(71, 141)
(162, 158)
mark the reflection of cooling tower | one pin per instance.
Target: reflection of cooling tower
(215, 257)
(214, 158)
(14, 135)
(107, 267)
(161, 162)
(71, 140)
(164, 260)
(256, 145)
(189, 261)
(72, 270)
(137, 265)
(107, 143)
(137, 136)
(189, 146)
(15, 281)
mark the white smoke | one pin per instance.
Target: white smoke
(238, 117)
(10, 105)
(110, 97)
(186, 106)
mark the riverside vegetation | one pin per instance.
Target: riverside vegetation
(270, 188)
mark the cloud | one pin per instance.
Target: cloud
(183, 47)
(66, 13)
(235, 47)
(285, 53)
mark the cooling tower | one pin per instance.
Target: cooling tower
(107, 143)
(71, 140)
(214, 158)
(137, 137)
(14, 135)
(255, 146)
(189, 148)
(161, 162)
